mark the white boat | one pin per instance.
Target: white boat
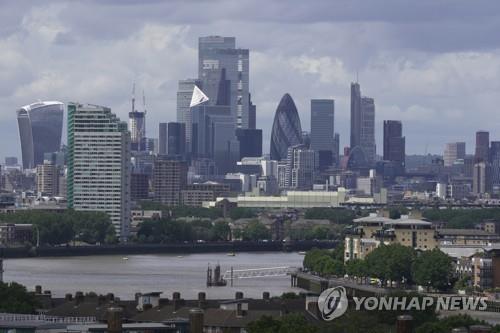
(231, 254)
(125, 258)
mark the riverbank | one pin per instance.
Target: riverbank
(177, 248)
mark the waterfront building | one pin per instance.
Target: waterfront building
(286, 130)
(40, 130)
(99, 165)
(169, 179)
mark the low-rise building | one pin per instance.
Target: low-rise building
(15, 234)
(467, 237)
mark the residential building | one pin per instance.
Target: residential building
(169, 179)
(40, 130)
(99, 165)
(467, 237)
(47, 179)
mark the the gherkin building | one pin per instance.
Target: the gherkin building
(286, 131)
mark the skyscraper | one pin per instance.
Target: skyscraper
(482, 146)
(163, 139)
(394, 143)
(176, 141)
(40, 129)
(224, 72)
(322, 130)
(137, 125)
(453, 151)
(286, 131)
(250, 142)
(184, 114)
(362, 123)
(99, 164)
(47, 179)
(481, 182)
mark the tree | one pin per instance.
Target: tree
(221, 231)
(391, 263)
(433, 269)
(291, 323)
(14, 298)
(255, 230)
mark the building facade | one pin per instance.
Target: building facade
(40, 130)
(184, 94)
(169, 179)
(362, 123)
(394, 143)
(482, 146)
(47, 179)
(322, 131)
(99, 164)
(176, 139)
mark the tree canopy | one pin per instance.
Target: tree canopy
(14, 298)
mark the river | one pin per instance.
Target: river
(147, 273)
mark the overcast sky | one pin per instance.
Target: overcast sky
(433, 64)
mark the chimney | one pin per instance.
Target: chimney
(266, 296)
(79, 297)
(196, 320)
(176, 299)
(110, 297)
(68, 297)
(202, 300)
(47, 292)
(38, 290)
(239, 305)
(404, 324)
(115, 320)
(479, 329)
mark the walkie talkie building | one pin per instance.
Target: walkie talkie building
(40, 130)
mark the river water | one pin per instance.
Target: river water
(147, 273)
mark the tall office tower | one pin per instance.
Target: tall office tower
(363, 123)
(137, 126)
(286, 131)
(176, 139)
(47, 179)
(139, 186)
(453, 151)
(300, 168)
(99, 164)
(481, 182)
(322, 131)
(336, 151)
(250, 142)
(482, 146)
(184, 114)
(252, 114)
(394, 143)
(223, 70)
(169, 178)
(40, 130)
(495, 164)
(216, 138)
(163, 139)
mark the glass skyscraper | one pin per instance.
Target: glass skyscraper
(40, 129)
(286, 131)
(99, 164)
(362, 123)
(322, 130)
(184, 114)
(224, 72)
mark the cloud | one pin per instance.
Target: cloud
(433, 65)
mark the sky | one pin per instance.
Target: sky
(433, 64)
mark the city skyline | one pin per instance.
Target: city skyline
(156, 52)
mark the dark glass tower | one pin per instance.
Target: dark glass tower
(394, 143)
(40, 129)
(482, 146)
(286, 131)
(176, 141)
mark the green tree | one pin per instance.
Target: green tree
(221, 231)
(255, 230)
(433, 269)
(291, 323)
(391, 263)
(14, 298)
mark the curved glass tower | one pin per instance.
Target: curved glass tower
(286, 130)
(40, 129)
